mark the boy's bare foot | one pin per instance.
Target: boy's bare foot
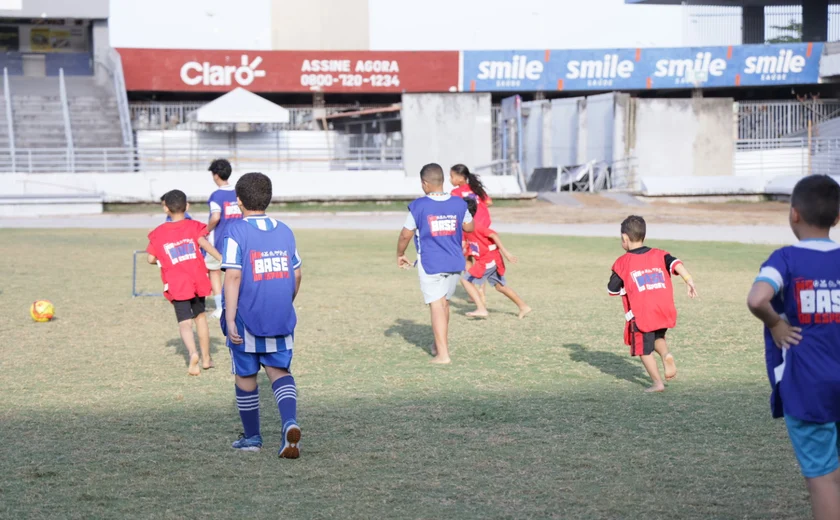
(194, 371)
(207, 366)
(524, 312)
(478, 314)
(439, 360)
(657, 387)
(670, 367)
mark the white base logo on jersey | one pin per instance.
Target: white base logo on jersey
(443, 225)
(818, 301)
(269, 265)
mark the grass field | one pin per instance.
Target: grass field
(534, 419)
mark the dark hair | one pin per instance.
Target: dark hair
(635, 228)
(254, 190)
(176, 201)
(163, 197)
(817, 199)
(473, 180)
(432, 173)
(221, 167)
(472, 205)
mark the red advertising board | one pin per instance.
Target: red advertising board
(170, 70)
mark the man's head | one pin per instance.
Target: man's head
(633, 231)
(253, 191)
(431, 177)
(174, 202)
(815, 203)
(221, 170)
(471, 205)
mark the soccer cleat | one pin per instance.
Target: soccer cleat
(247, 443)
(291, 443)
(217, 314)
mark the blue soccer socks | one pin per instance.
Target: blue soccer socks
(285, 393)
(249, 411)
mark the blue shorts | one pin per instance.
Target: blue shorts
(816, 446)
(248, 363)
(491, 276)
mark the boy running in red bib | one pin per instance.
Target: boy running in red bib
(489, 254)
(642, 277)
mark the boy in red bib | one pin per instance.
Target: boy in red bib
(642, 277)
(176, 246)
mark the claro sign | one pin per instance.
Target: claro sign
(157, 70)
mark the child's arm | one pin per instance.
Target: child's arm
(615, 285)
(233, 278)
(402, 245)
(207, 246)
(215, 218)
(152, 259)
(686, 276)
(298, 278)
(758, 301)
(507, 254)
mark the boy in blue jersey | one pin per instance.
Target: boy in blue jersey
(168, 217)
(262, 279)
(797, 296)
(223, 208)
(437, 222)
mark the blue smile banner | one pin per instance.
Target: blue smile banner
(639, 69)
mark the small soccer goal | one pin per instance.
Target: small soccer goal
(145, 279)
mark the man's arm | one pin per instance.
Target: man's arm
(507, 254)
(207, 246)
(402, 245)
(233, 279)
(215, 218)
(759, 303)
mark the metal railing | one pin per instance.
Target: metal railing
(776, 119)
(267, 159)
(777, 157)
(121, 94)
(165, 115)
(10, 126)
(65, 112)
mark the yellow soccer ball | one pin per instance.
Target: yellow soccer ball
(42, 310)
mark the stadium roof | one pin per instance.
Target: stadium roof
(241, 106)
(728, 3)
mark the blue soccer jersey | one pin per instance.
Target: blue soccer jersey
(265, 251)
(223, 202)
(437, 222)
(806, 377)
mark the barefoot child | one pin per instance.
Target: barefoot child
(487, 250)
(436, 221)
(175, 246)
(797, 297)
(469, 186)
(642, 276)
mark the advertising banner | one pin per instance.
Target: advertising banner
(289, 71)
(638, 69)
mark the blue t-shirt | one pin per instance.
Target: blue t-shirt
(437, 222)
(223, 201)
(265, 251)
(806, 378)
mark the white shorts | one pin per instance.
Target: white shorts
(212, 264)
(437, 286)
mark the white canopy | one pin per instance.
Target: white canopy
(241, 106)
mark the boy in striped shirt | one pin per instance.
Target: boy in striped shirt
(262, 279)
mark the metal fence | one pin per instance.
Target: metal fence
(776, 157)
(777, 119)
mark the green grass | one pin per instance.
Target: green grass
(313, 207)
(534, 419)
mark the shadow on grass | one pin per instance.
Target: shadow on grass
(181, 349)
(418, 334)
(619, 367)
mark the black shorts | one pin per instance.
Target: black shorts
(188, 309)
(644, 343)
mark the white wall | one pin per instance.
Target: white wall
(320, 25)
(91, 9)
(684, 137)
(446, 129)
(149, 186)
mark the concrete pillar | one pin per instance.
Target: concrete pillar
(815, 20)
(752, 24)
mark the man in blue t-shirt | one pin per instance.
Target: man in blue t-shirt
(223, 209)
(797, 296)
(437, 222)
(262, 280)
